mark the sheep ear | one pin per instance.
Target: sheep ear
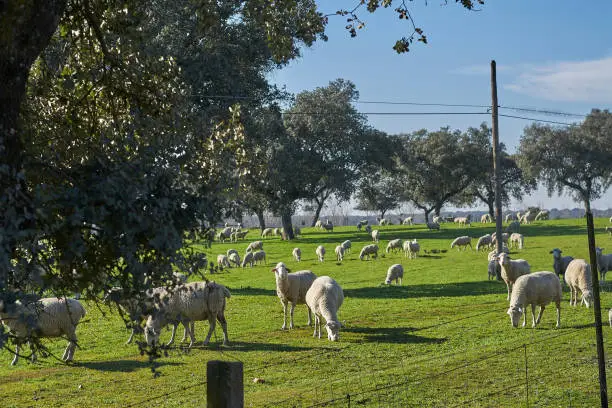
(273, 270)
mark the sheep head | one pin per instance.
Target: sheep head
(515, 313)
(333, 330)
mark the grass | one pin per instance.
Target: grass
(442, 339)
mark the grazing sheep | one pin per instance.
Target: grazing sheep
(578, 278)
(339, 253)
(239, 235)
(319, 224)
(320, 252)
(328, 226)
(528, 217)
(268, 232)
(223, 261)
(324, 298)
(535, 289)
(47, 317)
(347, 246)
(514, 226)
(516, 240)
(368, 229)
(231, 251)
(235, 259)
(505, 237)
(411, 248)
(297, 254)
(463, 221)
(292, 288)
(394, 245)
(375, 235)
(259, 256)
(542, 215)
(433, 226)
(407, 221)
(486, 218)
(437, 219)
(248, 259)
(604, 263)
(384, 221)
(493, 269)
(483, 241)
(462, 241)
(254, 245)
(225, 233)
(395, 272)
(510, 217)
(512, 269)
(191, 302)
(371, 251)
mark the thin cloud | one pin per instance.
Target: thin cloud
(584, 81)
(480, 69)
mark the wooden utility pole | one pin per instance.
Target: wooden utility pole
(496, 163)
(225, 387)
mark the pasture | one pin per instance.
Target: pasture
(442, 339)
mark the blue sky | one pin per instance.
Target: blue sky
(551, 55)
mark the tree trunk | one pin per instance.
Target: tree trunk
(426, 215)
(287, 226)
(317, 213)
(491, 209)
(261, 219)
(437, 210)
(382, 213)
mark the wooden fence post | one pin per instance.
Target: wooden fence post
(225, 388)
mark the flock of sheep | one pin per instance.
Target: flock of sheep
(187, 302)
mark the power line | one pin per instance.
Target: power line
(389, 113)
(456, 105)
(535, 120)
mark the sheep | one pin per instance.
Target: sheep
(542, 215)
(395, 272)
(191, 302)
(324, 298)
(248, 259)
(276, 232)
(384, 221)
(47, 317)
(433, 226)
(231, 251)
(339, 253)
(528, 217)
(375, 235)
(510, 217)
(486, 218)
(254, 245)
(516, 240)
(483, 241)
(346, 245)
(235, 259)
(259, 256)
(604, 263)
(368, 229)
(411, 248)
(223, 261)
(370, 250)
(292, 288)
(361, 224)
(505, 237)
(328, 226)
(493, 269)
(407, 221)
(538, 288)
(514, 226)
(320, 252)
(462, 241)
(239, 235)
(463, 221)
(578, 278)
(512, 269)
(437, 219)
(609, 231)
(268, 232)
(297, 231)
(297, 254)
(394, 245)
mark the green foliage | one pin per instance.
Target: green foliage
(378, 191)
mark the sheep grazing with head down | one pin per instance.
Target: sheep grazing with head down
(259, 257)
(486, 218)
(371, 251)
(292, 288)
(234, 258)
(320, 252)
(407, 221)
(324, 298)
(535, 289)
(484, 241)
(47, 317)
(578, 278)
(394, 245)
(248, 260)
(347, 246)
(254, 245)
(223, 261)
(604, 263)
(463, 241)
(411, 248)
(339, 253)
(433, 226)
(395, 273)
(297, 254)
(268, 232)
(512, 269)
(560, 263)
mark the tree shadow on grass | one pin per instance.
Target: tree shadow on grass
(124, 366)
(428, 290)
(244, 346)
(249, 291)
(394, 335)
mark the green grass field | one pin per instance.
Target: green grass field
(442, 339)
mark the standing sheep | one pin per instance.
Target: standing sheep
(268, 232)
(347, 246)
(248, 260)
(292, 288)
(320, 252)
(560, 263)
(259, 256)
(535, 289)
(47, 317)
(395, 272)
(463, 241)
(339, 253)
(223, 261)
(375, 235)
(578, 278)
(433, 226)
(407, 221)
(254, 245)
(486, 218)
(297, 254)
(371, 251)
(394, 245)
(512, 269)
(604, 263)
(234, 258)
(411, 248)
(516, 240)
(483, 241)
(324, 298)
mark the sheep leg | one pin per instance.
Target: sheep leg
(223, 321)
(284, 303)
(558, 304)
(186, 332)
(508, 287)
(34, 356)
(539, 314)
(174, 326)
(212, 322)
(310, 317)
(129, 341)
(316, 322)
(17, 348)
(291, 315)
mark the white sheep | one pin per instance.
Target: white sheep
(248, 259)
(604, 263)
(516, 240)
(347, 246)
(407, 221)
(433, 226)
(395, 272)
(528, 217)
(462, 241)
(437, 219)
(268, 232)
(486, 218)
(254, 245)
(324, 298)
(47, 317)
(560, 263)
(320, 252)
(411, 248)
(319, 224)
(535, 289)
(231, 251)
(463, 221)
(234, 258)
(292, 288)
(187, 303)
(297, 254)
(512, 269)
(484, 241)
(384, 221)
(542, 215)
(375, 235)
(394, 245)
(505, 237)
(578, 278)
(276, 232)
(223, 261)
(371, 251)
(510, 217)
(339, 253)
(259, 256)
